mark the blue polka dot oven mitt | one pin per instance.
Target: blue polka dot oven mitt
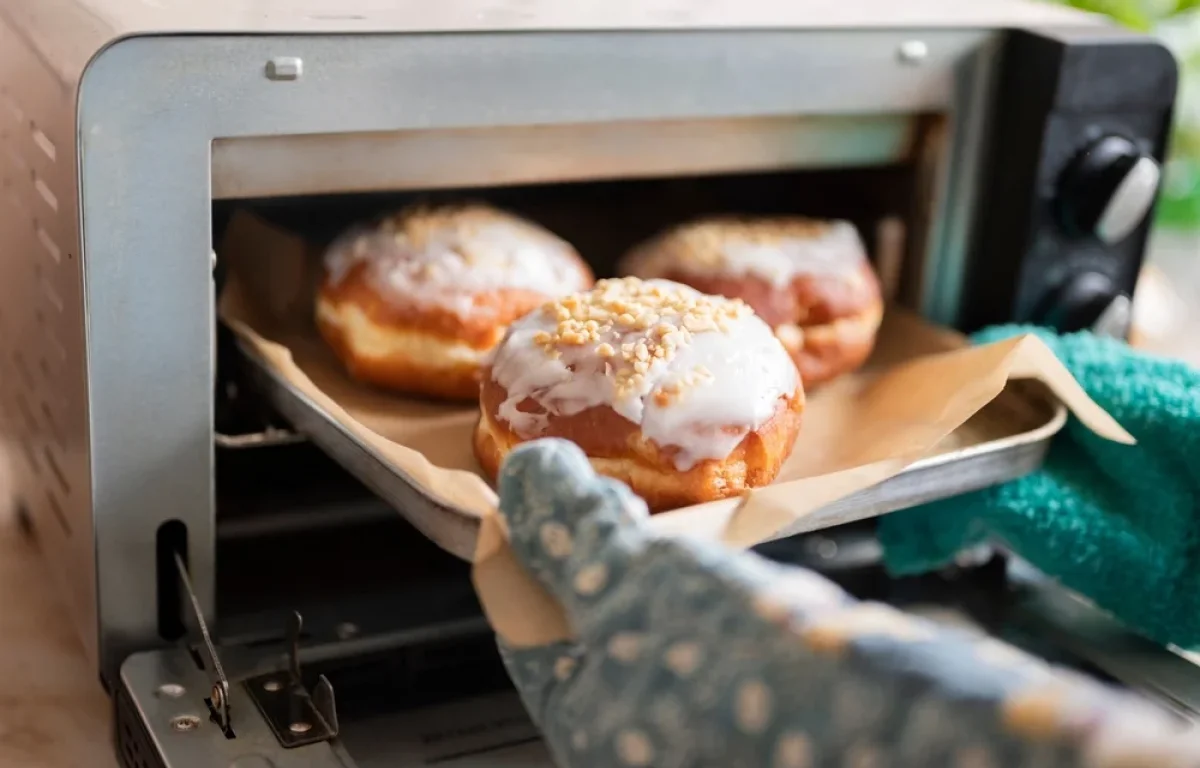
(686, 653)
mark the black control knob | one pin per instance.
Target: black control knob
(1107, 190)
(1081, 302)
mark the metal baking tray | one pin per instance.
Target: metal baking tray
(1006, 440)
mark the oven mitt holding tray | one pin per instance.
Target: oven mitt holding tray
(690, 653)
(1119, 524)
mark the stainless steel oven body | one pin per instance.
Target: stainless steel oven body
(1030, 137)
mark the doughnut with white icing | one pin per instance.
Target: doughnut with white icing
(810, 280)
(685, 397)
(417, 302)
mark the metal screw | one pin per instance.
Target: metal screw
(184, 723)
(826, 549)
(171, 690)
(285, 68)
(346, 630)
(300, 727)
(272, 686)
(912, 52)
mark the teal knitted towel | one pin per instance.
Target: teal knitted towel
(1119, 524)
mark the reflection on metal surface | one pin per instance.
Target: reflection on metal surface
(269, 437)
(490, 731)
(1080, 627)
(539, 154)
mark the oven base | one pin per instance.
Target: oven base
(161, 722)
(445, 700)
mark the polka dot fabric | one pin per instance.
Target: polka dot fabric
(690, 654)
(1118, 523)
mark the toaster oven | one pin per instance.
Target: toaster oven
(248, 601)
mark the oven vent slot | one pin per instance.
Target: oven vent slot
(34, 287)
(170, 539)
(134, 742)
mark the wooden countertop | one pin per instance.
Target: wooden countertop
(53, 711)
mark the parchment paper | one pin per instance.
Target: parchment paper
(916, 396)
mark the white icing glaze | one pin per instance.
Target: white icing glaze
(731, 380)
(449, 258)
(764, 249)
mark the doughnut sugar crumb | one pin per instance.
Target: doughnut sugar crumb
(634, 324)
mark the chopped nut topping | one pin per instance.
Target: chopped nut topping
(637, 325)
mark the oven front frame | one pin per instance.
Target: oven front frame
(151, 108)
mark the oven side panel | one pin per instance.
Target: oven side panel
(44, 412)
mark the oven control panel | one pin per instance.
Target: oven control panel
(1107, 190)
(1079, 127)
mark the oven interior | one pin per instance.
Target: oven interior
(285, 510)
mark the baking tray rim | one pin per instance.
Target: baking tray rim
(456, 531)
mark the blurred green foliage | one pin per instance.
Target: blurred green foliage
(1142, 15)
(1177, 23)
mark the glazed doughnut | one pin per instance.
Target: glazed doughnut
(416, 303)
(809, 280)
(685, 397)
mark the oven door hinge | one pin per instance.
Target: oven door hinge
(295, 716)
(218, 700)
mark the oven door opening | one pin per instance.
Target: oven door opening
(602, 188)
(389, 617)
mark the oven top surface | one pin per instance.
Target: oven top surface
(335, 16)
